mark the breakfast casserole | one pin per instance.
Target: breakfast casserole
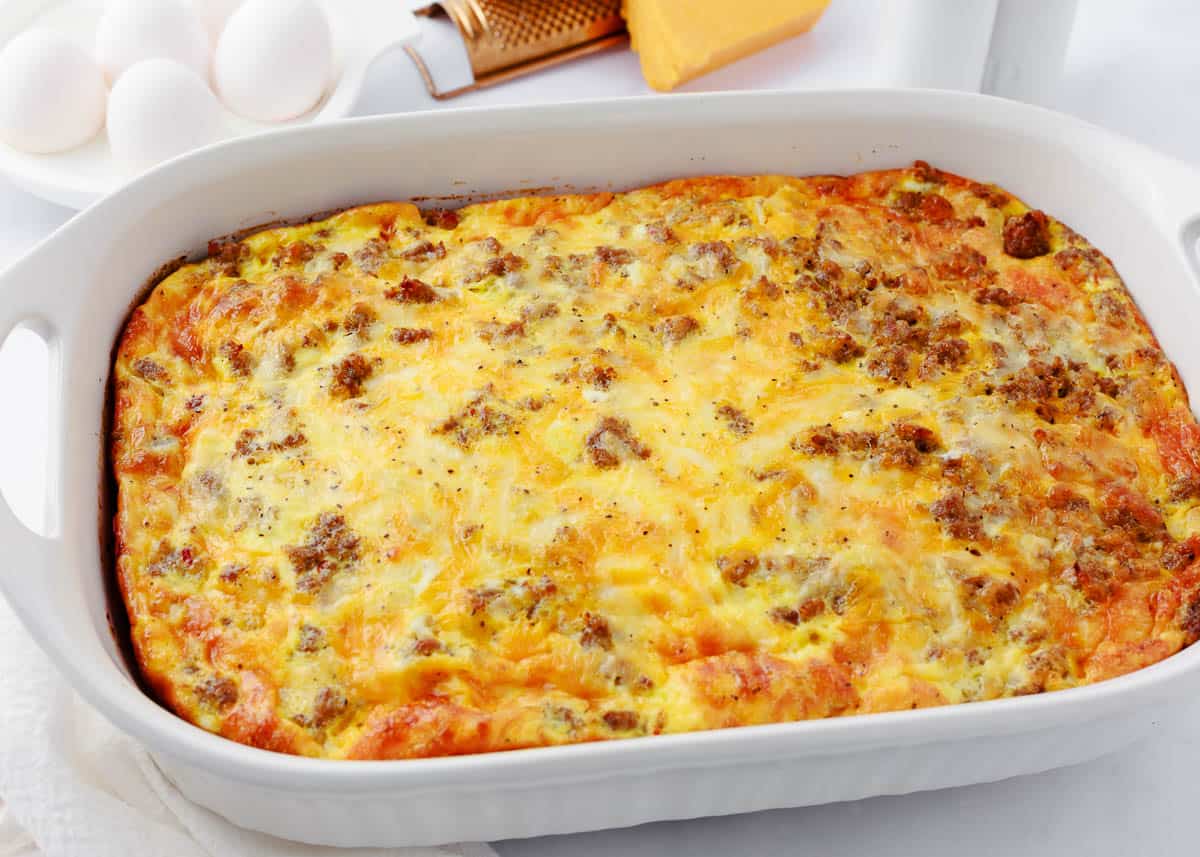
(717, 452)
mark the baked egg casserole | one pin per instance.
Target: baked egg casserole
(717, 452)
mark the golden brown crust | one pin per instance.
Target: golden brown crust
(721, 451)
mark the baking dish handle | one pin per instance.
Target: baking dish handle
(1189, 235)
(1179, 188)
(27, 301)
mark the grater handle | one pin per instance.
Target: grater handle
(388, 27)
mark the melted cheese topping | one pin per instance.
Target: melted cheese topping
(717, 452)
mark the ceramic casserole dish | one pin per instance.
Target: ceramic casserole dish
(77, 287)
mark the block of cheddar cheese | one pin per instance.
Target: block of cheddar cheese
(677, 41)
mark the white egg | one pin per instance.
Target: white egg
(274, 60)
(214, 14)
(159, 109)
(133, 30)
(51, 93)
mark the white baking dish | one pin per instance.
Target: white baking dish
(77, 286)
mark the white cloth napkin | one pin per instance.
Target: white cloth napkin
(71, 785)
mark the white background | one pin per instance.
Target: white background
(1131, 66)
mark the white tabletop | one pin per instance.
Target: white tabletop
(1132, 67)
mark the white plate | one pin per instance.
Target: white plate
(362, 31)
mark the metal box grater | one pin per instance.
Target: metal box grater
(509, 38)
